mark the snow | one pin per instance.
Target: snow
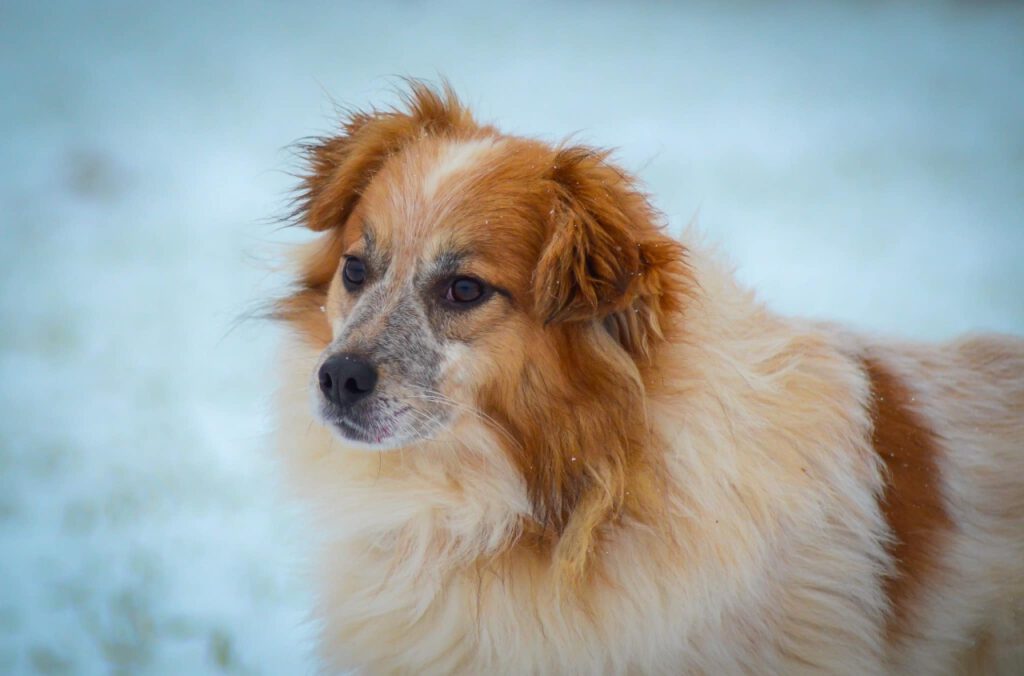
(862, 162)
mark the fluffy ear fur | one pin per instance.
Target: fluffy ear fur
(340, 167)
(605, 266)
(606, 257)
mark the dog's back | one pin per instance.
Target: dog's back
(955, 497)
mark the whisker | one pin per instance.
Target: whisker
(438, 397)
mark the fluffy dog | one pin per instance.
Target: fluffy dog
(548, 438)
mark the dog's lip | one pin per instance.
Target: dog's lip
(355, 432)
(373, 425)
(350, 426)
(367, 434)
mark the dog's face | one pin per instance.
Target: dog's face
(431, 291)
(465, 277)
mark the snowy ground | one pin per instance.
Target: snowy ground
(863, 162)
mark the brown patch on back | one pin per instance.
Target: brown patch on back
(912, 501)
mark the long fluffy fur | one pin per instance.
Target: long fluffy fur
(658, 475)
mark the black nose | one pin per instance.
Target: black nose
(346, 378)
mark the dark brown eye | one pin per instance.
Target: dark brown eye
(465, 290)
(353, 273)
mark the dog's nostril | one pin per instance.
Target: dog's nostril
(326, 382)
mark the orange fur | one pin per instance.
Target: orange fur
(647, 471)
(912, 502)
(601, 256)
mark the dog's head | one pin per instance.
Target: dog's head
(466, 277)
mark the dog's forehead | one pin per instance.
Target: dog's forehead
(421, 199)
(477, 205)
(453, 163)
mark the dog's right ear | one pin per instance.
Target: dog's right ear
(607, 257)
(340, 167)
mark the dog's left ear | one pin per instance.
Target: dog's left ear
(606, 257)
(340, 167)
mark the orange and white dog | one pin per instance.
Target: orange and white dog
(548, 438)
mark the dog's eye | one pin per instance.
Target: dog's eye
(353, 273)
(465, 290)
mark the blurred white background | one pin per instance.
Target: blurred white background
(859, 161)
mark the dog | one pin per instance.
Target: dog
(548, 438)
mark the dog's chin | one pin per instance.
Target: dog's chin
(375, 438)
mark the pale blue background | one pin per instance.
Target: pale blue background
(860, 161)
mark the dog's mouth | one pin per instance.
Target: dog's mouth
(363, 431)
(357, 432)
(379, 430)
(360, 428)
